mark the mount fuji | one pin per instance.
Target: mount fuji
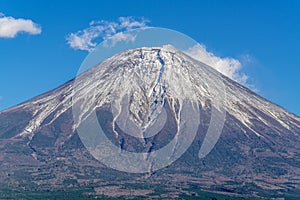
(222, 138)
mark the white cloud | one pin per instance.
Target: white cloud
(10, 27)
(82, 40)
(118, 37)
(88, 38)
(130, 23)
(230, 67)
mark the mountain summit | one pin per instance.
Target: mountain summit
(160, 113)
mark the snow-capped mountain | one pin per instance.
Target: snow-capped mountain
(257, 148)
(155, 74)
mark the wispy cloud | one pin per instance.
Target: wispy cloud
(230, 67)
(88, 38)
(118, 37)
(10, 26)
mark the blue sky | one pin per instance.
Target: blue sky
(262, 35)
